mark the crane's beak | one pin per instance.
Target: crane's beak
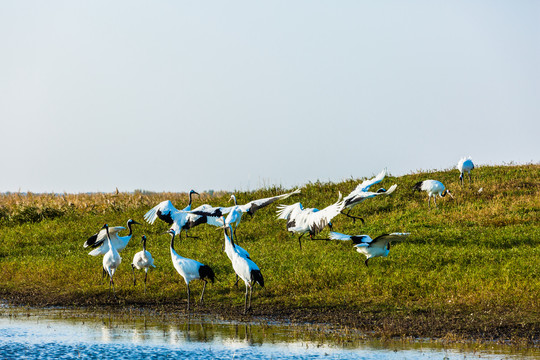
(135, 222)
(449, 193)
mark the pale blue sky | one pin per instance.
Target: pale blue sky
(235, 95)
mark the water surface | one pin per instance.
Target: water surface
(62, 334)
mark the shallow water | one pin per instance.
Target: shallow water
(61, 334)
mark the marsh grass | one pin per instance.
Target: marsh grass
(472, 264)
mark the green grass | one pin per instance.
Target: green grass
(472, 264)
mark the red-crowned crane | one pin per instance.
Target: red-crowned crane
(380, 246)
(361, 193)
(190, 269)
(309, 221)
(183, 220)
(244, 267)
(433, 188)
(99, 240)
(465, 165)
(111, 259)
(142, 260)
(188, 208)
(101, 245)
(236, 211)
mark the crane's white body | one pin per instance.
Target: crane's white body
(311, 220)
(433, 188)
(364, 244)
(111, 259)
(352, 201)
(190, 269)
(187, 268)
(180, 219)
(244, 267)
(465, 165)
(143, 260)
(118, 242)
(99, 240)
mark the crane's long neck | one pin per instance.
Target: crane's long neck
(190, 199)
(144, 244)
(172, 242)
(228, 240)
(129, 228)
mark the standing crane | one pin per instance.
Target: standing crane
(244, 267)
(190, 269)
(99, 242)
(111, 259)
(142, 260)
(465, 165)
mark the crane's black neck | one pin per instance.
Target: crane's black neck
(172, 241)
(108, 236)
(129, 228)
(190, 199)
(230, 238)
(144, 244)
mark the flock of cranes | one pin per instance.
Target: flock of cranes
(300, 220)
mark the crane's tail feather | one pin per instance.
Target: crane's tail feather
(257, 277)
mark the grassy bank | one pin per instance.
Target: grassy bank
(470, 268)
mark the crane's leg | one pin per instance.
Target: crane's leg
(353, 217)
(133, 271)
(202, 295)
(188, 296)
(435, 200)
(299, 242)
(250, 291)
(312, 238)
(103, 274)
(192, 237)
(111, 283)
(245, 299)
(237, 279)
(470, 180)
(145, 276)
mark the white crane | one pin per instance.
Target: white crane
(190, 269)
(101, 245)
(361, 193)
(183, 220)
(380, 246)
(142, 260)
(228, 248)
(99, 240)
(311, 220)
(188, 208)
(235, 212)
(111, 259)
(433, 188)
(465, 165)
(244, 267)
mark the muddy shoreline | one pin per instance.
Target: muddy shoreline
(458, 324)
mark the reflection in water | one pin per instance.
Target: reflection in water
(68, 334)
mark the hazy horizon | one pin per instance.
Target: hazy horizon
(175, 95)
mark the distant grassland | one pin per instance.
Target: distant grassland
(470, 268)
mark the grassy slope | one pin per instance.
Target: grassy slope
(469, 268)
